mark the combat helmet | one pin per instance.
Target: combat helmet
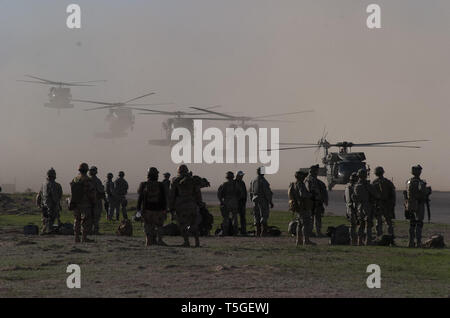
(229, 175)
(183, 169)
(93, 170)
(109, 175)
(51, 173)
(379, 171)
(152, 171)
(300, 173)
(121, 174)
(84, 167)
(362, 173)
(354, 177)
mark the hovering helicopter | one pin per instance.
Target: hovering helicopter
(338, 166)
(120, 116)
(59, 94)
(181, 120)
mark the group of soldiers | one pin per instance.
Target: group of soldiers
(182, 197)
(367, 202)
(307, 197)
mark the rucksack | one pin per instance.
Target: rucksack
(31, 229)
(152, 192)
(171, 229)
(206, 222)
(339, 235)
(435, 241)
(273, 231)
(125, 228)
(66, 229)
(386, 240)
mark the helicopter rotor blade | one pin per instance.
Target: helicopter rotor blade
(42, 79)
(36, 82)
(139, 97)
(289, 148)
(282, 114)
(386, 143)
(393, 146)
(93, 102)
(206, 110)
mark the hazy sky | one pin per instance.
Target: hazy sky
(250, 56)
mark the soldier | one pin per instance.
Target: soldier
(416, 190)
(228, 195)
(82, 203)
(364, 196)
(385, 206)
(100, 195)
(261, 196)
(50, 201)
(110, 197)
(242, 202)
(152, 204)
(185, 198)
(352, 212)
(300, 203)
(166, 183)
(120, 192)
(320, 197)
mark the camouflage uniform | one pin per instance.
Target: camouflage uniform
(98, 206)
(84, 205)
(152, 203)
(416, 196)
(242, 203)
(261, 196)
(364, 196)
(185, 198)
(110, 198)
(300, 202)
(51, 195)
(228, 195)
(352, 212)
(121, 190)
(320, 197)
(385, 205)
(166, 184)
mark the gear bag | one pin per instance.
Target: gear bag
(31, 229)
(435, 241)
(339, 235)
(125, 228)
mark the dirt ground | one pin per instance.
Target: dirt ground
(223, 267)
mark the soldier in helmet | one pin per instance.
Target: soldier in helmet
(261, 196)
(152, 204)
(242, 202)
(120, 192)
(300, 203)
(49, 201)
(416, 190)
(185, 199)
(228, 195)
(100, 195)
(385, 206)
(82, 203)
(364, 196)
(352, 212)
(320, 197)
(110, 197)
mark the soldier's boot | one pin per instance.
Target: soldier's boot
(77, 238)
(258, 230)
(148, 240)
(263, 230)
(197, 241)
(186, 242)
(84, 238)
(361, 240)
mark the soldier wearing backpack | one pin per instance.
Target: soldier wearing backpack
(82, 203)
(228, 195)
(152, 205)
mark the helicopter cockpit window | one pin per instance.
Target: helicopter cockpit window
(347, 168)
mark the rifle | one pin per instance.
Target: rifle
(427, 203)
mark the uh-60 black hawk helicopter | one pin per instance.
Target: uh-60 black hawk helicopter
(186, 120)
(338, 166)
(120, 115)
(59, 94)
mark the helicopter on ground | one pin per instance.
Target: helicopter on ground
(120, 115)
(338, 166)
(186, 120)
(59, 94)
